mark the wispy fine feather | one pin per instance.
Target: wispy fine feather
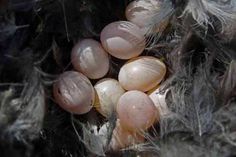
(202, 105)
(92, 141)
(29, 123)
(228, 83)
(202, 10)
(225, 120)
(193, 102)
(95, 141)
(159, 21)
(22, 117)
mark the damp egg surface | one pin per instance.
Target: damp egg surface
(89, 57)
(108, 93)
(74, 92)
(136, 111)
(142, 73)
(123, 39)
(140, 12)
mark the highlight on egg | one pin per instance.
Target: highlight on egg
(89, 57)
(142, 73)
(123, 39)
(140, 12)
(73, 92)
(108, 92)
(136, 111)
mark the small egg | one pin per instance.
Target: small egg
(74, 92)
(108, 93)
(123, 39)
(142, 73)
(122, 138)
(140, 12)
(136, 111)
(89, 57)
(158, 98)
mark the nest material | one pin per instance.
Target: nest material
(197, 43)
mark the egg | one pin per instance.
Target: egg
(108, 93)
(158, 97)
(122, 138)
(136, 111)
(89, 57)
(74, 92)
(140, 12)
(142, 73)
(123, 39)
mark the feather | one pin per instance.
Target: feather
(228, 84)
(203, 10)
(22, 5)
(22, 116)
(95, 141)
(192, 101)
(159, 20)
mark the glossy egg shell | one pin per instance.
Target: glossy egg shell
(136, 111)
(74, 92)
(142, 73)
(123, 39)
(89, 57)
(108, 93)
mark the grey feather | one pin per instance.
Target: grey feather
(203, 10)
(159, 21)
(22, 115)
(228, 84)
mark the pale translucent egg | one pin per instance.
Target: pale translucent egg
(123, 39)
(159, 99)
(141, 12)
(74, 92)
(136, 111)
(108, 93)
(142, 73)
(89, 57)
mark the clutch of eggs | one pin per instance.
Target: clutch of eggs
(74, 92)
(136, 111)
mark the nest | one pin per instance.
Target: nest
(197, 43)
